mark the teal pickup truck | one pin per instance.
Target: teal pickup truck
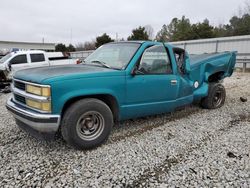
(120, 80)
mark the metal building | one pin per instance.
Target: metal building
(241, 44)
(8, 45)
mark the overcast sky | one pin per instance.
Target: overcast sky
(55, 20)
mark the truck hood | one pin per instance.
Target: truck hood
(54, 73)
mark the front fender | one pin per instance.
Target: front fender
(63, 91)
(60, 102)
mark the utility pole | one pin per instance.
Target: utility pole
(116, 37)
(70, 35)
(43, 42)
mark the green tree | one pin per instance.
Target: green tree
(178, 29)
(222, 31)
(182, 29)
(162, 35)
(138, 34)
(203, 30)
(103, 39)
(60, 48)
(71, 48)
(240, 25)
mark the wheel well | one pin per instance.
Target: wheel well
(107, 99)
(215, 77)
(2, 76)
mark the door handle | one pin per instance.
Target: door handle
(173, 82)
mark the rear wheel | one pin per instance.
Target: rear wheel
(216, 96)
(87, 123)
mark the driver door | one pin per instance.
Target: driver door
(153, 88)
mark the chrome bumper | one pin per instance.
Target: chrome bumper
(43, 123)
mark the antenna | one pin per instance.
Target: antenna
(70, 35)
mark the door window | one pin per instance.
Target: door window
(37, 58)
(155, 60)
(19, 59)
(180, 60)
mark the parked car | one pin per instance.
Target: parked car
(119, 81)
(18, 60)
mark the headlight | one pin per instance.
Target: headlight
(41, 91)
(44, 106)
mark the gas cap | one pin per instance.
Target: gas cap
(196, 84)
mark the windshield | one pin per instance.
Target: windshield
(4, 58)
(113, 55)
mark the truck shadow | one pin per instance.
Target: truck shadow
(136, 127)
(121, 131)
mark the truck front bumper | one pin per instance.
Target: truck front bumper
(37, 124)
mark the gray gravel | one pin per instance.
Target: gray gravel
(190, 147)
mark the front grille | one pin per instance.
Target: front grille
(20, 99)
(19, 85)
(20, 95)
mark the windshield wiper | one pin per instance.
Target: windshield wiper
(101, 63)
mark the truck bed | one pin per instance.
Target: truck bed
(221, 64)
(197, 59)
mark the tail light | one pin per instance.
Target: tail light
(78, 61)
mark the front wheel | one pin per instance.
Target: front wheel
(87, 123)
(215, 98)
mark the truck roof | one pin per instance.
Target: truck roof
(28, 51)
(142, 41)
(134, 41)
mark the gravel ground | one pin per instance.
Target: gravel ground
(191, 147)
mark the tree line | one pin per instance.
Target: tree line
(178, 29)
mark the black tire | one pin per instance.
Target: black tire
(87, 123)
(216, 96)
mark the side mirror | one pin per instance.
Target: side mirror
(134, 71)
(8, 67)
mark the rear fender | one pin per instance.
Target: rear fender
(220, 68)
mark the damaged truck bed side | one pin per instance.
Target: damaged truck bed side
(119, 81)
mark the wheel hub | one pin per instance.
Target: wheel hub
(217, 99)
(90, 125)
